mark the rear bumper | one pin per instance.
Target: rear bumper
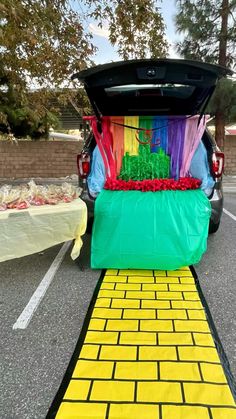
(89, 201)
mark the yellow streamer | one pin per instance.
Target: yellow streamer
(130, 142)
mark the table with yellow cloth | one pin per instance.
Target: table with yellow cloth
(23, 232)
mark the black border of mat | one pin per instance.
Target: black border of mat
(67, 376)
(52, 412)
(221, 352)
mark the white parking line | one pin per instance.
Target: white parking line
(26, 315)
(229, 214)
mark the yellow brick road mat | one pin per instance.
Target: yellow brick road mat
(148, 350)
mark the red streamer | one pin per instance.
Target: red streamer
(104, 142)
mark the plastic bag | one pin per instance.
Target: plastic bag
(24, 195)
(96, 178)
(199, 168)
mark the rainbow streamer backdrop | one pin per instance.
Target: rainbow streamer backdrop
(178, 136)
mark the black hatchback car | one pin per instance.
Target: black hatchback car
(160, 87)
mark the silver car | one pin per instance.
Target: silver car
(154, 87)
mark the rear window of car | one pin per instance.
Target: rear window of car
(149, 90)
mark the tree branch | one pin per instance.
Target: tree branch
(232, 16)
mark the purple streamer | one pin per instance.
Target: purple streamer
(176, 134)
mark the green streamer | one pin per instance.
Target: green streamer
(146, 165)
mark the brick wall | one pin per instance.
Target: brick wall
(38, 159)
(58, 158)
(230, 155)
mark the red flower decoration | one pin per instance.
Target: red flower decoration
(152, 185)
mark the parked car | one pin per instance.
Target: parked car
(154, 87)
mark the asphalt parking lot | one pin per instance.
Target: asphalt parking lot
(34, 359)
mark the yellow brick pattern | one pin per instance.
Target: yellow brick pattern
(107, 313)
(211, 394)
(191, 326)
(118, 352)
(187, 304)
(108, 286)
(122, 303)
(203, 339)
(77, 389)
(221, 413)
(89, 351)
(133, 411)
(80, 410)
(157, 392)
(189, 280)
(148, 353)
(122, 325)
(113, 390)
(155, 287)
(196, 314)
(165, 280)
(136, 370)
(103, 302)
(155, 304)
(184, 412)
(93, 369)
(198, 354)
(157, 353)
(97, 324)
(213, 373)
(179, 371)
(139, 314)
(172, 314)
(156, 325)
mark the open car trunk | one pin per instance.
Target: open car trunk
(134, 227)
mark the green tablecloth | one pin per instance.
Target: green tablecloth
(149, 230)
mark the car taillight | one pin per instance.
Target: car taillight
(218, 163)
(83, 163)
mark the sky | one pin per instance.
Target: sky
(107, 53)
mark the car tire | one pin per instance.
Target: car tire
(213, 227)
(90, 225)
